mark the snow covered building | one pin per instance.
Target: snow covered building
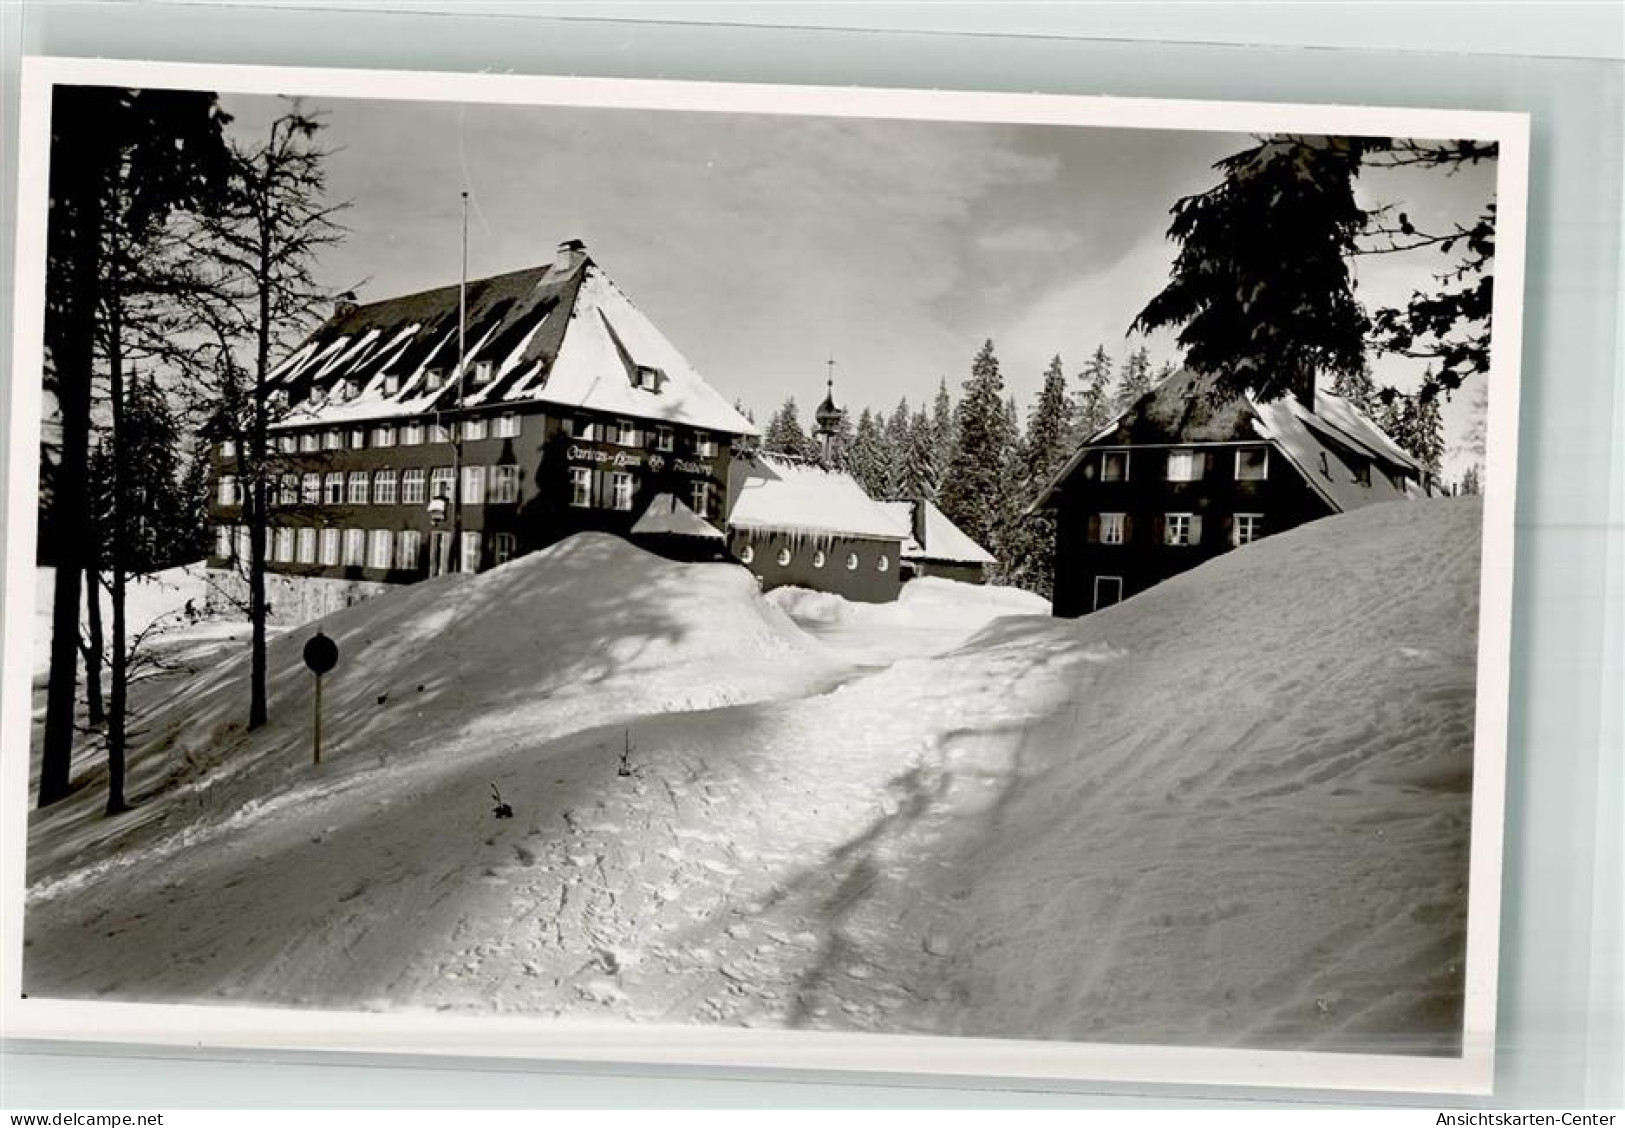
(571, 412)
(935, 546)
(794, 523)
(1177, 479)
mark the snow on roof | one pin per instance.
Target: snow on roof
(1325, 452)
(944, 540)
(563, 335)
(780, 493)
(1177, 412)
(668, 516)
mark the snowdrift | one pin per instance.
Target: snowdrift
(588, 631)
(1230, 811)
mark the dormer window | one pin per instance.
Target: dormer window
(348, 390)
(433, 379)
(1114, 466)
(392, 384)
(483, 372)
(647, 378)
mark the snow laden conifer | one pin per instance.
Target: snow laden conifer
(866, 460)
(1414, 422)
(1095, 398)
(895, 442)
(943, 431)
(976, 493)
(785, 434)
(1358, 388)
(918, 475)
(1048, 442)
(1136, 379)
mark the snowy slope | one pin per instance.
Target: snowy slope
(1232, 810)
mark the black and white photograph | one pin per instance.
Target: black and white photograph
(838, 571)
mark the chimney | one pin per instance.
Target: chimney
(1305, 391)
(917, 515)
(345, 304)
(570, 252)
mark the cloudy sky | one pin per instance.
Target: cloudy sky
(762, 245)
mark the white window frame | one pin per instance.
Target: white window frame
(380, 549)
(284, 545)
(704, 445)
(579, 427)
(851, 562)
(331, 548)
(245, 544)
(1105, 459)
(504, 547)
(473, 485)
(333, 440)
(784, 557)
(383, 435)
(288, 444)
(1184, 465)
(507, 426)
(621, 491)
(355, 548)
(414, 487)
(883, 563)
(222, 541)
(701, 497)
(287, 492)
(473, 429)
(484, 370)
(384, 489)
(310, 442)
(504, 484)
(747, 554)
(626, 432)
(357, 488)
(333, 488)
(580, 487)
(665, 440)
(227, 492)
(228, 448)
(305, 553)
(412, 434)
(1254, 522)
(1263, 470)
(1111, 528)
(442, 481)
(820, 558)
(1184, 522)
(358, 438)
(439, 432)
(409, 550)
(468, 558)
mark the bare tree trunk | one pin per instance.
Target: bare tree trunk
(72, 358)
(117, 546)
(94, 705)
(258, 710)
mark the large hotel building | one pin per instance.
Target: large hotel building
(573, 412)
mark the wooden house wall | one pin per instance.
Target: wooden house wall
(867, 583)
(1283, 499)
(543, 514)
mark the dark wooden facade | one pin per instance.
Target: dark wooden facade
(862, 569)
(534, 477)
(1180, 478)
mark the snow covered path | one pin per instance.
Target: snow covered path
(1232, 811)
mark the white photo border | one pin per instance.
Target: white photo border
(628, 1043)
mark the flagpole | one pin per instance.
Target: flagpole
(457, 439)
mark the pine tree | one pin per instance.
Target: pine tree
(943, 432)
(866, 459)
(1358, 389)
(1136, 380)
(1095, 400)
(896, 438)
(975, 491)
(918, 476)
(1414, 422)
(785, 435)
(1047, 445)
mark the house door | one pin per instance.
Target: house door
(1108, 590)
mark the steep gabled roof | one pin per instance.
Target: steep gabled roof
(1324, 444)
(669, 516)
(799, 497)
(944, 540)
(563, 335)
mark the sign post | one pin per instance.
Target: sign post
(321, 655)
